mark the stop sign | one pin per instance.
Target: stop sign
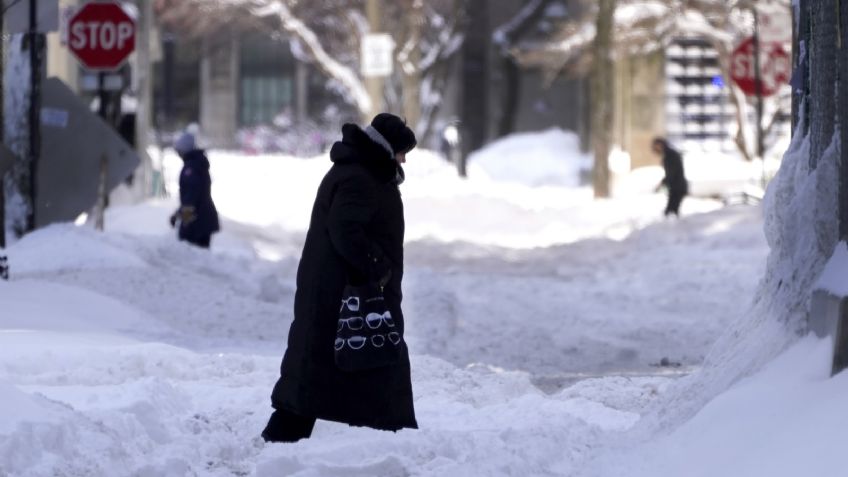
(101, 35)
(775, 67)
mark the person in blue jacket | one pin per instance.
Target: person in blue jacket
(197, 216)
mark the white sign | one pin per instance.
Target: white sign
(377, 55)
(55, 117)
(774, 23)
(111, 82)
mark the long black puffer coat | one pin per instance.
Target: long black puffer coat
(356, 235)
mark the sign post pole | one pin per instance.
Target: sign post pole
(758, 81)
(102, 36)
(7, 159)
(36, 44)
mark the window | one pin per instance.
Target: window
(267, 80)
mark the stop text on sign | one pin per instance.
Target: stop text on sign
(96, 35)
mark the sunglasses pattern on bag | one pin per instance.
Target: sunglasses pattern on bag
(352, 304)
(367, 335)
(358, 342)
(373, 320)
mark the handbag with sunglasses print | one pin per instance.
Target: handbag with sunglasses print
(367, 335)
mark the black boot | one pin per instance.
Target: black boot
(285, 426)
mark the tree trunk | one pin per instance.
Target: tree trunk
(475, 75)
(603, 93)
(510, 97)
(374, 85)
(16, 104)
(143, 180)
(412, 79)
(510, 34)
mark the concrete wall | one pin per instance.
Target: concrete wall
(640, 106)
(60, 61)
(219, 86)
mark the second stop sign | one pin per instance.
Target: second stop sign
(101, 36)
(775, 67)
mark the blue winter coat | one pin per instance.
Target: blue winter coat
(196, 192)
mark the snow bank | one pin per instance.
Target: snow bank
(158, 359)
(38, 305)
(150, 409)
(802, 233)
(785, 421)
(20, 407)
(548, 158)
(64, 247)
(275, 193)
(833, 278)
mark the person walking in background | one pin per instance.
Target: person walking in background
(355, 239)
(675, 178)
(197, 217)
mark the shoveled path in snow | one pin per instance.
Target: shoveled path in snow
(182, 388)
(651, 304)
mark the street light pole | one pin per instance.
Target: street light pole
(2, 129)
(34, 149)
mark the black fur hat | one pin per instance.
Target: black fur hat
(396, 132)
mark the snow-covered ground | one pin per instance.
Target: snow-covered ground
(543, 326)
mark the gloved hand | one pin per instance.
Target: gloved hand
(173, 219)
(187, 214)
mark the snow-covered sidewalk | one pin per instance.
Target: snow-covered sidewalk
(135, 352)
(542, 326)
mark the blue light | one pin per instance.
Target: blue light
(718, 80)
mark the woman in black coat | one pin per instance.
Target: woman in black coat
(355, 237)
(197, 215)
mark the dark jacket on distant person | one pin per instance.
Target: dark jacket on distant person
(355, 236)
(198, 215)
(675, 178)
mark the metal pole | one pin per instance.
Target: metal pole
(35, 45)
(103, 111)
(758, 85)
(142, 71)
(2, 126)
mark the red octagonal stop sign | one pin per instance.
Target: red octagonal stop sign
(101, 35)
(775, 67)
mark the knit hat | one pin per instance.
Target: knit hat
(395, 131)
(185, 143)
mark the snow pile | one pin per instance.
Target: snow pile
(802, 234)
(781, 403)
(87, 401)
(27, 408)
(785, 421)
(154, 358)
(549, 158)
(77, 247)
(275, 193)
(833, 278)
